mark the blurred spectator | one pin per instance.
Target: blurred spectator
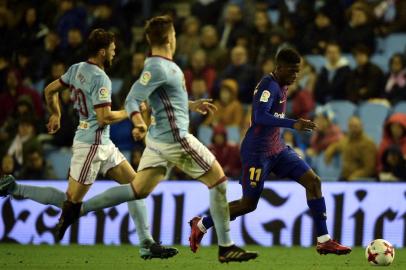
(367, 80)
(69, 16)
(394, 133)
(395, 87)
(137, 65)
(277, 40)
(104, 17)
(31, 30)
(35, 166)
(389, 22)
(215, 55)
(189, 39)
(7, 165)
(326, 133)
(25, 66)
(393, 165)
(333, 77)
(319, 33)
(8, 36)
(229, 109)
(69, 122)
(8, 99)
(198, 68)
(260, 36)
(228, 155)
(46, 54)
(58, 68)
(198, 90)
(240, 70)
(4, 67)
(358, 152)
(23, 140)
(232, 27)
(301, 91)
(359, 29)
(267, 67)
(207, 11)
(292, 139)
(136, 154)
(74, 51)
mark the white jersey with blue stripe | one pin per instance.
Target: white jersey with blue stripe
(162, 85)
(90, 89)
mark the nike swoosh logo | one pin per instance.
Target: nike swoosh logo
(281, 101)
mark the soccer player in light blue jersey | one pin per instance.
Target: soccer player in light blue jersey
(93, 151)
(168, 142)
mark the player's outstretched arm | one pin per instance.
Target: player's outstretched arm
(52, 101)
(105, 116)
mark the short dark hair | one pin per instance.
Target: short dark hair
(288, 56)
(361, 48)
(157, 29)
(99, 39)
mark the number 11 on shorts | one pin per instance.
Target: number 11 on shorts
(255, 175)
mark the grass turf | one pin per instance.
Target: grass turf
(99, 257)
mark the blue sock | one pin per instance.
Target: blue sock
(208, 222)
(318, 209)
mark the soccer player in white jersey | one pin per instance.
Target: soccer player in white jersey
(168, 141)
(93, 151)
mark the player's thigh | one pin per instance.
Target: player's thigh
(122, 173)
(255, 170)
(146, 180)
(115, 166)
(290, 165)
(76, 191)
(194, 159)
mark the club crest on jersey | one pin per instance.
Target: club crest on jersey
(103, 93)
(145, 78)
(265, 96)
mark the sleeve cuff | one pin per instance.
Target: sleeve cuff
(133, 113)
(107, 104)
(64, 83)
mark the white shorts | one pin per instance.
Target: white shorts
(189, 155)
(90, 159)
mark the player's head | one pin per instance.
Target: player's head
(287, 66)
(101, 44)
(161, 33)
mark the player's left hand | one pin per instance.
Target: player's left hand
(202, 106)
(54, 123)
(139, 132)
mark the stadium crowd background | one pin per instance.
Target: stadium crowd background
(352, 83)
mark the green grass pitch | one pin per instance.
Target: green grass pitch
(99, 257)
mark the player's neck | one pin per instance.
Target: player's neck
(276, 77)
(96, 61)
(163, 52)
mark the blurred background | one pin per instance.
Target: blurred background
(352, 81)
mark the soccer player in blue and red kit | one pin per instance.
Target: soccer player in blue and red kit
(263, 151)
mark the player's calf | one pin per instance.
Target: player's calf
(70, 213)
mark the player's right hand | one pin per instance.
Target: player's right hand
(54, 123)
(304, 125)
(139, 132)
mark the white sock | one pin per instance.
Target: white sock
(323, 238)
(201, 227)
(138, 212)
(220, 213)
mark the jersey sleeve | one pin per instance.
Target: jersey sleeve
(151, 78)
(65, 79)
(265, 95)
(101, 92)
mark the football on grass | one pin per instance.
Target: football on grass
(380, 252)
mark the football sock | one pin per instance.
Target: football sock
(318, 209)
(138, 212)
(111, 197)
(221, 214)
(43, 195)
(205, 223)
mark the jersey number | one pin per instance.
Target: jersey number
(79, 99)
(255, 175)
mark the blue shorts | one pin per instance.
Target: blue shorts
(286, 164)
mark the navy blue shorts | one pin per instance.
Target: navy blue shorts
(286, 164)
